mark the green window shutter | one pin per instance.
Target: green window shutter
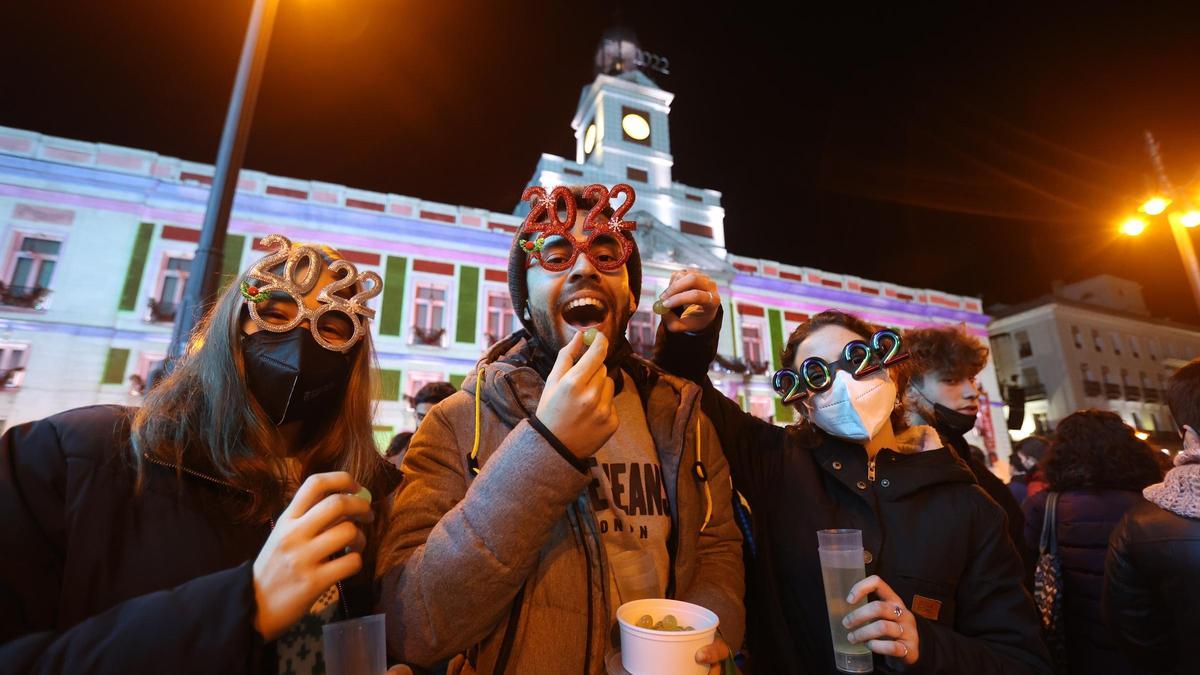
(468, 302)
(383, 435)
(137, 266)
(457, 381)
(391, 306)
(231, 260)
(389, 385)
(114, 366)
(776, 321)
(783, 413)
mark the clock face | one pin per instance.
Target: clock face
(589, 139)
(635, 126)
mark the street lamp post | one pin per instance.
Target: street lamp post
(204, 278)
(1180, 212)
(1179, 228)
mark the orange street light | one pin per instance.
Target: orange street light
(1133, 226)
(1155, 205)
(1190, 219)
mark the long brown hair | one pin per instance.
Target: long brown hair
(203, 415)
(804, 431)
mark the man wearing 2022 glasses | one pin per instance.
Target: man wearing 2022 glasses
(944, 577)
(566, 477)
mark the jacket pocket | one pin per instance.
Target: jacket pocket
(928, 598)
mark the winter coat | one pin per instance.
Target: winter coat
(95, 578)
(928, 531)
(507, 564)
(999, 492)
(1085, 520)
(1152, 579)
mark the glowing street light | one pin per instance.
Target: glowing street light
(1133, 226)
(1190, 219)
(1142, 435)
(1155, 205)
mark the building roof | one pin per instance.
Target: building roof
(999, 312)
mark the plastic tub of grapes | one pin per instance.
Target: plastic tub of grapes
(663, 636)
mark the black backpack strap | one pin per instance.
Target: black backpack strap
(1049, 542)
(510, 632)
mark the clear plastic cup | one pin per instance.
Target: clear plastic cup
(356, 646)
(841, 554)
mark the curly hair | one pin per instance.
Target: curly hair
(1183, 395)
(951, 352)
(1096, 449)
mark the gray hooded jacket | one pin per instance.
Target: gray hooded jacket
(507, 565)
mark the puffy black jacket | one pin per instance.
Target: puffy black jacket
(1085, 519)
(1152, 588)
(928, 530)
(97, 579)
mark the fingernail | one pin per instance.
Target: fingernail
(850, 638)
(850, 598)
(846, 622)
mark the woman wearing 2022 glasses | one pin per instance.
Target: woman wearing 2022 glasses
(944, 577)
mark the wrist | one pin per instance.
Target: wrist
(557, 444)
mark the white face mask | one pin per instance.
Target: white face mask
(853, 409)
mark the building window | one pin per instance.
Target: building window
(418, 379)
(1152, 349)
(141, 381)
(13, 358)
(1137, 421)
(752, 350)
(1112, 390)
(171, 282)
(1135, 347)
(1096, 340)
(31, 269)
(1090, 386)
(501, 321)
(1024, 349)
(1116, 343)
(1132, 392)
(1034, 389)
(1077, 337)
(641, 333)
(1149, 392)
(762, 407)
(429, 314)
(1041, 424)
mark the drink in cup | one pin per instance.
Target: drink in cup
(356, 646)
(841, 554)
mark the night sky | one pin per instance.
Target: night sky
(981, 151)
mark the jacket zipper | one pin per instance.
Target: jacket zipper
(154, 460)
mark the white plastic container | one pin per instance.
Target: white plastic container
(645, 651)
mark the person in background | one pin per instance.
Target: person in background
(940, 390)
(1024, 462)
(430, 395)
(1098, 469)
(216, 528)
(397, 447)
(1152, 575)
(944, 576)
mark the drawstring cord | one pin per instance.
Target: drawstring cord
(702, 476)
(473, 458)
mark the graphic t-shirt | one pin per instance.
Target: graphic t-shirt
(630, 501)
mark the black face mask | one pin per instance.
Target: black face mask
(951, 421)
(292, 377)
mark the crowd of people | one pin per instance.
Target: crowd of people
(244, 506)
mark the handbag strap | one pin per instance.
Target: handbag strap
(1049, 542)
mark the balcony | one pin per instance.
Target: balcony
(29, 297)
(1035, 392)
(1091, 388)
(1112, 391)
(1133, 393)
(162, 312)
(424, 336)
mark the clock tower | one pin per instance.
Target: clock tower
(621, 123)
(622, 135)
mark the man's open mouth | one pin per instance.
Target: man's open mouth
(583, 312)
